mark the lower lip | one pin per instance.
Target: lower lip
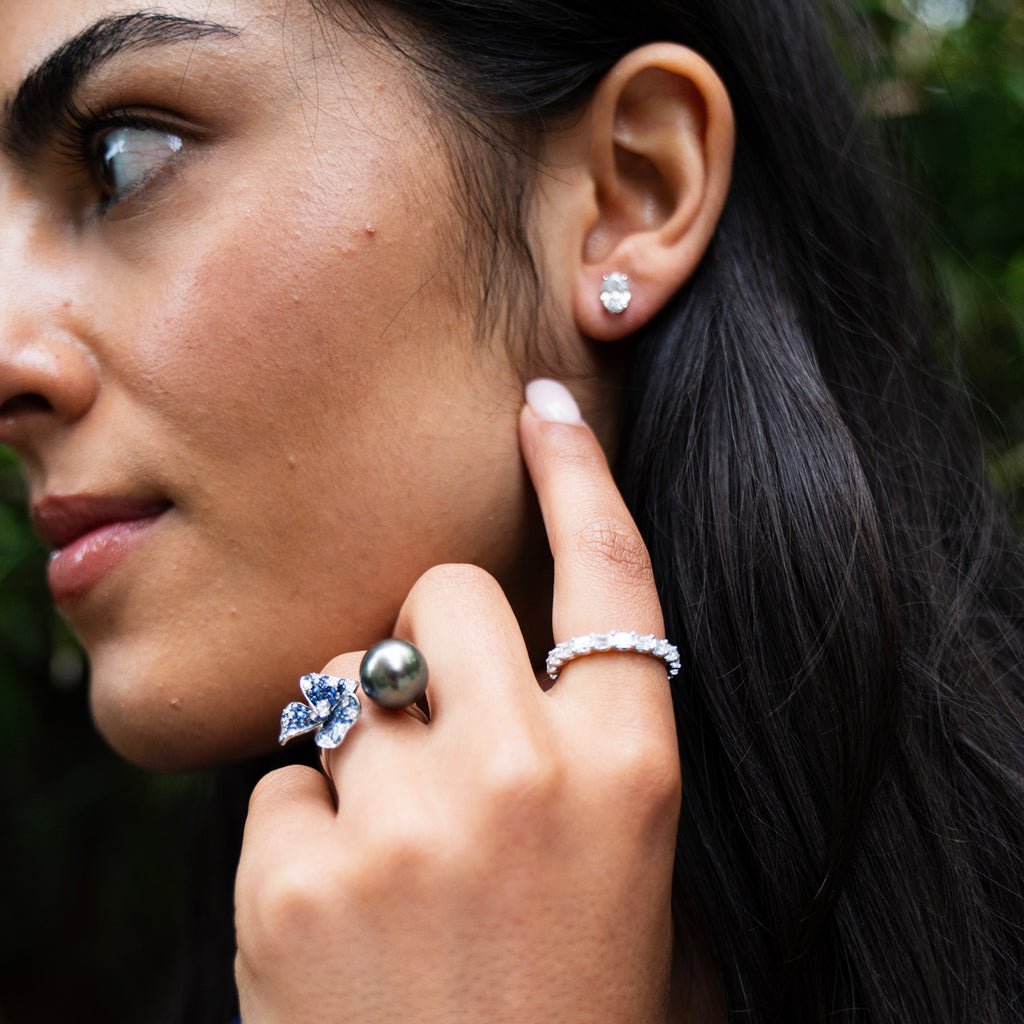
(79, 566)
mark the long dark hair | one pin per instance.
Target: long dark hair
(845, 590)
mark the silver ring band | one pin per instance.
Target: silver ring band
(598, 643)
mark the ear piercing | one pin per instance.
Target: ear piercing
(615, 294)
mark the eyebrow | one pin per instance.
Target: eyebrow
(41, 104)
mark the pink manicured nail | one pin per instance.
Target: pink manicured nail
(550, 400)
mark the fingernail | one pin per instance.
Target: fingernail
(551, 401)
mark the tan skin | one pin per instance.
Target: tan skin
(271, 332)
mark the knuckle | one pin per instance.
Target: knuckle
(608, 540)
(459, 588)
(276, 784)
(419, 849)
(645, 775)
(281, 908)
(402, 846)
(522, 779)
(453, 577)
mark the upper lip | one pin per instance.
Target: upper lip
(60, 519)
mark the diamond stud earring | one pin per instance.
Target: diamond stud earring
(615, 294)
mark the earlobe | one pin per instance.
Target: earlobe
(659, 162)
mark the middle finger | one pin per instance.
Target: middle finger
(459, 617)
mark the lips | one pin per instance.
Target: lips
(91, 535)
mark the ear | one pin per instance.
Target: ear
(641, 182)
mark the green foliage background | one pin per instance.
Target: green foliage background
(955, 98)
(93, 858)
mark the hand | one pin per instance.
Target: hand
(511, 860)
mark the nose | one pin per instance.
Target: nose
(48, 376)
(44, 382)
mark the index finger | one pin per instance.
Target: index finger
(603, 576)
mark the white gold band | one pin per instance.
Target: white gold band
(598, 643)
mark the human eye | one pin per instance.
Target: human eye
(117, 155)
(126, 156)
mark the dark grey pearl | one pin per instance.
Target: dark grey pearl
(393, 674)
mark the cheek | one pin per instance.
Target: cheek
(329, 429)
(354, 292)
(242, 335)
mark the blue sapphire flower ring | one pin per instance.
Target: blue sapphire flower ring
(331, 709)
(598, 643)
(393, 674)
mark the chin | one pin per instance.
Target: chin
(159, 728)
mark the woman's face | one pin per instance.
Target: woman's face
(236, 355)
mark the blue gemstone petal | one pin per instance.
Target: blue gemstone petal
(295, 720)
(317, 689)
(338, 723)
